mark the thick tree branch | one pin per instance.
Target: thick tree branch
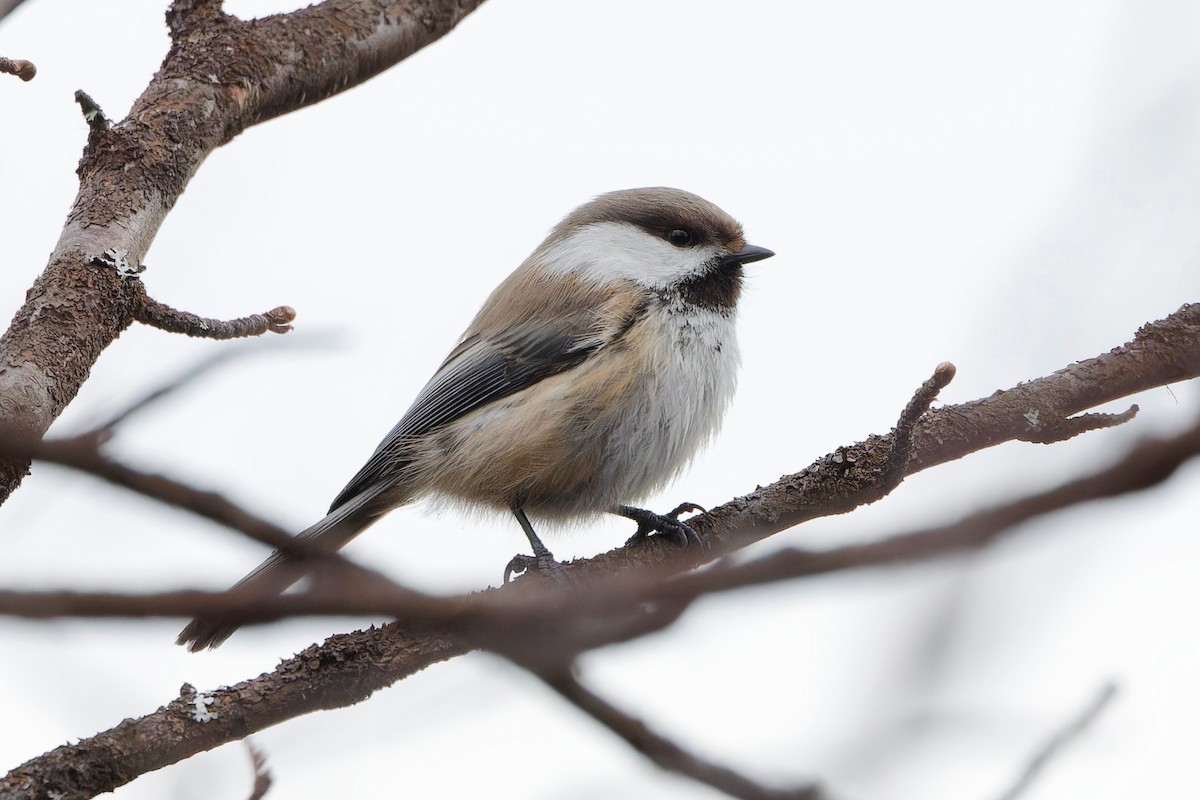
(1148, 464)
(220, 76)
(348, 668)
(1161, 353)
(343, 671)
(568, 618)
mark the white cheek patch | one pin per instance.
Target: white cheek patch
(606, 251)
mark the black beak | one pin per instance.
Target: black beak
(747, 254)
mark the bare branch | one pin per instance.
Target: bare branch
(348, 668)
(1161, 352)
(1071, 731)
(603, 608)
(185, 378)
(662, 751)
(220, 76)
(1146, 465)
(159, 315)
(345, 670)
(1149, 463)
(1069, 428)
(902, 435)
(82, 453)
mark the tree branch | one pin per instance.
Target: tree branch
(83, 453)
(220, 76)
(568, 618)
(664, 752)
(1160, 353)
(348, 668)
(1071, 731)
(343, 671)
(25, 70)
(163, 317)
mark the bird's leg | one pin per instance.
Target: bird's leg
(542, 561)
(666, 524)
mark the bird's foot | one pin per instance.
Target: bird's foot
(667, 525)
(544, 564)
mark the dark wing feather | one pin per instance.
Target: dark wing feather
(478, 372)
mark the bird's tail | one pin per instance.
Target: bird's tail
(280, 570)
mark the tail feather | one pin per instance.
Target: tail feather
(280, 570)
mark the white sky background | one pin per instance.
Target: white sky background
(1011, 188)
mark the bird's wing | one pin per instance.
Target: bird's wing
(483, 369)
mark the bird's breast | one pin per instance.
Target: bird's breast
(606, 432)
(684, 362)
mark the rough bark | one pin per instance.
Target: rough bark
(220, 76)
(349, 668)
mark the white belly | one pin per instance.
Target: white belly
(678, 405)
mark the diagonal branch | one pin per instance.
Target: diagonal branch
(539, 624)
(662, 751)
(349, 668)
(1071, 731)
(1161, 353)
(83, 453)
(220, 76)
(1148, 464)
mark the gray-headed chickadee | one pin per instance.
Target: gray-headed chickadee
(588, 379)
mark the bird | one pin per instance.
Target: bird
(589, 378)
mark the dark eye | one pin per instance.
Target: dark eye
(680, 237)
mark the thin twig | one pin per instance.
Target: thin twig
(25, 70)
(82, 453)
(159, 315)
(902, 436)
(1062, 429)
(663, 752)
(1061, 738)
(185, 378)
(262, 775)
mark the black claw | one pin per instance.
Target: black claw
(684, 508)
(667, 525)
(517, 564)
(542, 561)
(544, 565)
